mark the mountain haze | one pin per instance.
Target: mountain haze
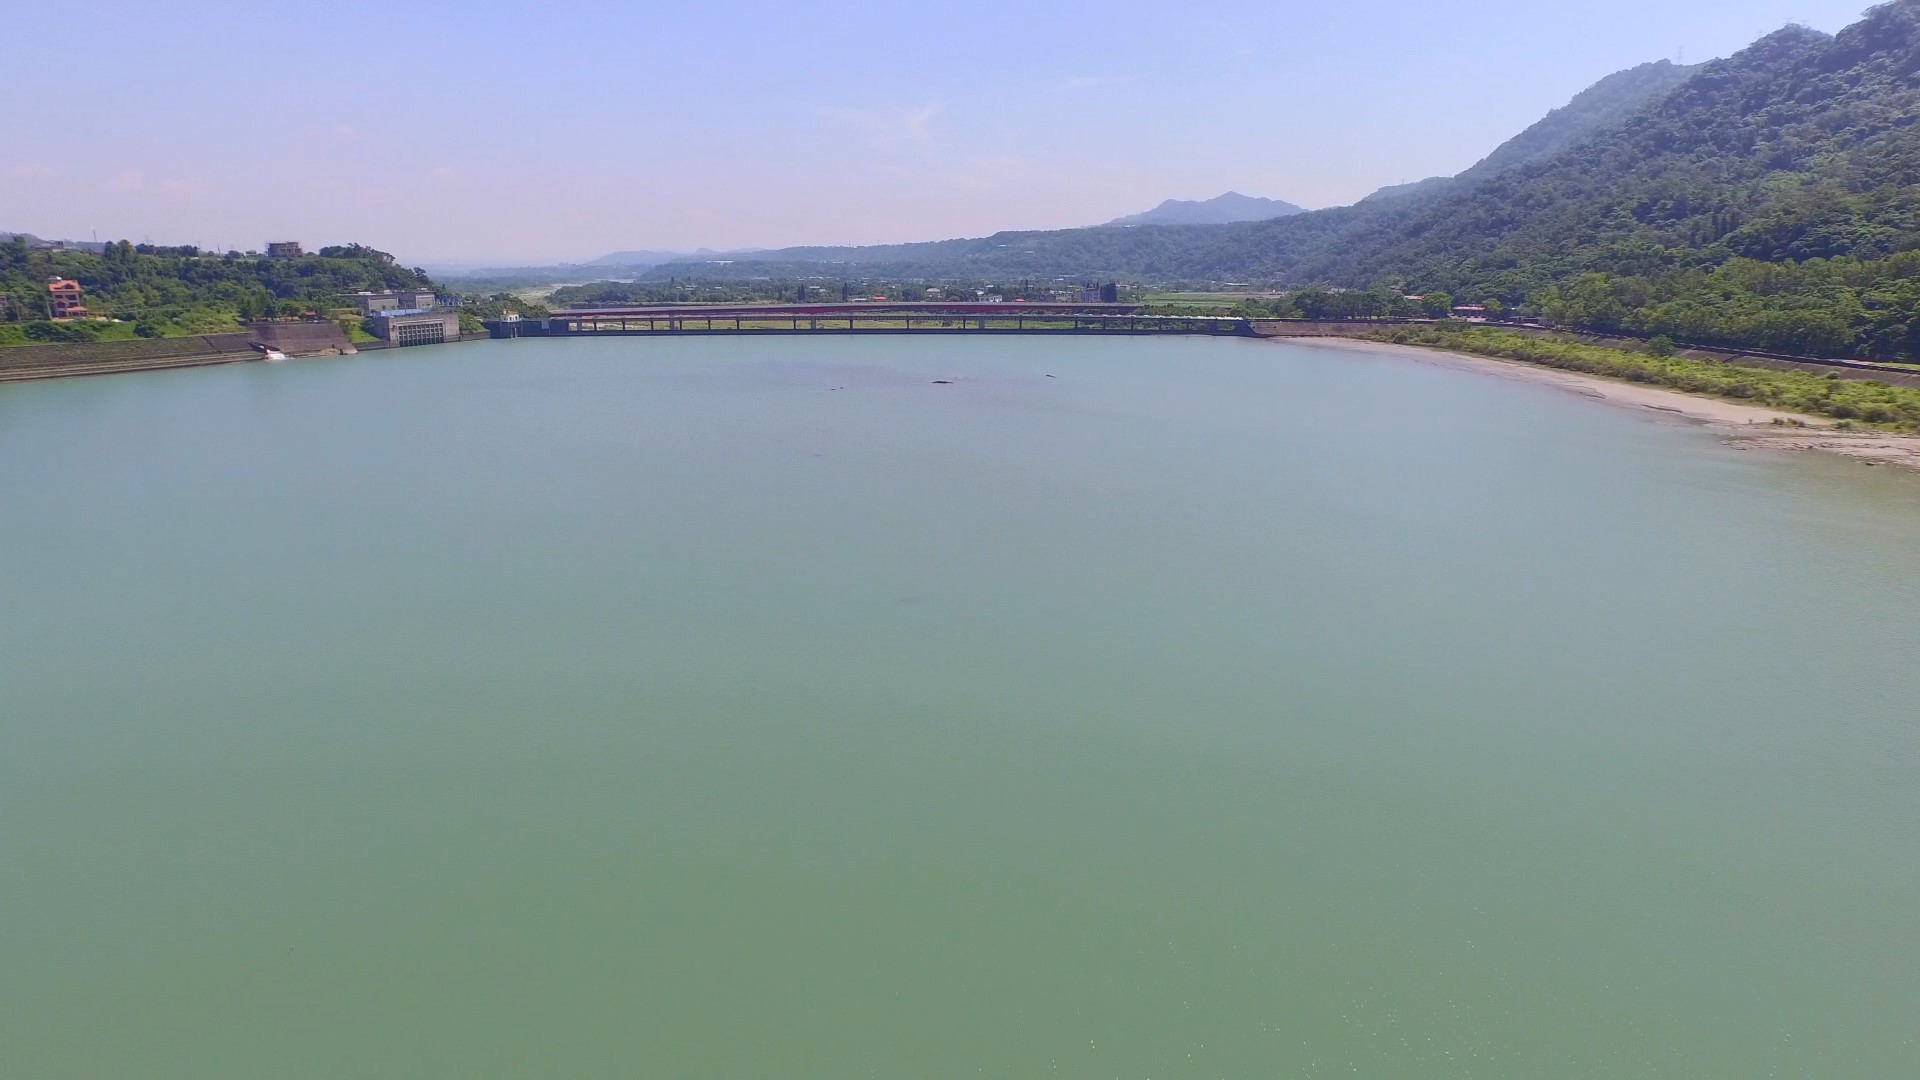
(1224, 209)
(1161, 247)
(636, 258)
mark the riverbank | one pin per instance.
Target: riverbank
(1748, 426)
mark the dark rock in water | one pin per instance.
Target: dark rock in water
(943, 382)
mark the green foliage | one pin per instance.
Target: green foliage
(40, 330)
(1794, 391)
(496, 306)
(1601, 107)
(181, 290)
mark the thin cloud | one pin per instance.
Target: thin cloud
(1091, 82)
(130, 180)
(918, 120)
(890, 128)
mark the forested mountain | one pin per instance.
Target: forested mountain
(1601, 107)
(1219, 210)
(1605, 105)
(1772, 200)
(1432, 185)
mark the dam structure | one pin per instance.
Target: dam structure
(867, 318)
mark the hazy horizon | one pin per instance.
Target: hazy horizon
(449, 135)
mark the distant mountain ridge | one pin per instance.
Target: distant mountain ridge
(657, 258)
(636, 258)
(1228, 209)
(95, 246)
(1244, 250)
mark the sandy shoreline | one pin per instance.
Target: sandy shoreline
(1746, 426)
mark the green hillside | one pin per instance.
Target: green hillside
(166, 291)
(1599, 108)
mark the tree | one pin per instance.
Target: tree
(1315, 303)
(1437, 305)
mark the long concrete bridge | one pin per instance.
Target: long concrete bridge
(867, 318)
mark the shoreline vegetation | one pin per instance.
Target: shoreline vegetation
(1757, 408)
(1848, 402)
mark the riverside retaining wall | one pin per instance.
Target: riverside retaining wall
(153, 354)
(140, 354)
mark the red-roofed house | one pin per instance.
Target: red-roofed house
(64, 298)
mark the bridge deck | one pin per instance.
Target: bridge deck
(657, 323)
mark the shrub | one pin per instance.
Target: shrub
(62, 331)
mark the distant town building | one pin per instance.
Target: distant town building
(63, 299)
(284, 249)
(1469, 311)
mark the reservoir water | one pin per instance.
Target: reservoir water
(1125, 708)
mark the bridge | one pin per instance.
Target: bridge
(866, 318)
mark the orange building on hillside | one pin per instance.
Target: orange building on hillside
(64, 294)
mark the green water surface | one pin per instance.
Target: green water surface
(759, 708)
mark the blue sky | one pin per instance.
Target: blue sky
(485, 132)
